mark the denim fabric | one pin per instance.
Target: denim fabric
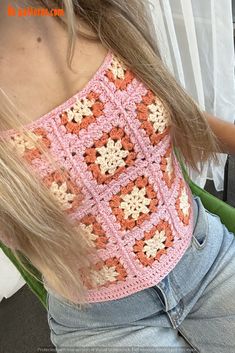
(191, 310)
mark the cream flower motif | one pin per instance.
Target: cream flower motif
(117, 68)
(80, 109)
(184, 204)
(169, 165)
(158, 116)
(104, 275)
(111, 156)
(89, 237)
(154, 244)
(61, 194)
(135, 203)
(21, 143)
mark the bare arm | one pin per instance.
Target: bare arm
(224, 131)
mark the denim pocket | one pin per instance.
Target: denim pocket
(201, 227)
(200, 235)
(199, 240)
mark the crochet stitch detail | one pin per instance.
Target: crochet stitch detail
(113, 144)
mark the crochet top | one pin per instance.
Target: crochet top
(112, 141)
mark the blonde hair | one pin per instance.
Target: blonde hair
(29, 213)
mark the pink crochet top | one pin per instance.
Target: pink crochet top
(112, 140)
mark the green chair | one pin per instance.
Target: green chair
(210, 202)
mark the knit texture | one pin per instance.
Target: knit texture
(113, 144)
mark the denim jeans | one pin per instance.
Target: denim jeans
(191, 310)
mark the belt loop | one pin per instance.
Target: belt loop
(162, 295)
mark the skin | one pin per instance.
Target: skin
(224, 131)
(33, 50)
(33, 65)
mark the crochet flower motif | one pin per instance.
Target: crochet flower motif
(105, 273)
(80, 109)
(93, 232)
(118, 69)
(154, 243)
(62, 194)
(91, 237)
(82, 113)
(65, 191)
(119, 73)
(134, 203)
(110, 156)
(25, 147)
(156, 116)
(153, 116)
(167, 168)
(182, 204)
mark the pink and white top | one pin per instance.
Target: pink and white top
(113, 144)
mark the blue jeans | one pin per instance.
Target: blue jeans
(191, 310)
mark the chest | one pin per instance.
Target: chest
(34, 71)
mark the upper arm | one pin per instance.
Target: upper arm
(224, 131)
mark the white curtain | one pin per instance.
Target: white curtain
(196, 43)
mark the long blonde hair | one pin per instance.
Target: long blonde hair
(29, 213)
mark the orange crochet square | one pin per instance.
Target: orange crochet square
(182, 204)
(154, 243)
(110, 155)
(134, 203)
(93, 230)
(27, 149)
(67, 193)
(82, 113)
(153, 116)
(167, 167)
(119, 74)
(104, 273)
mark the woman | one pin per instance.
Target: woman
(94, 140)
